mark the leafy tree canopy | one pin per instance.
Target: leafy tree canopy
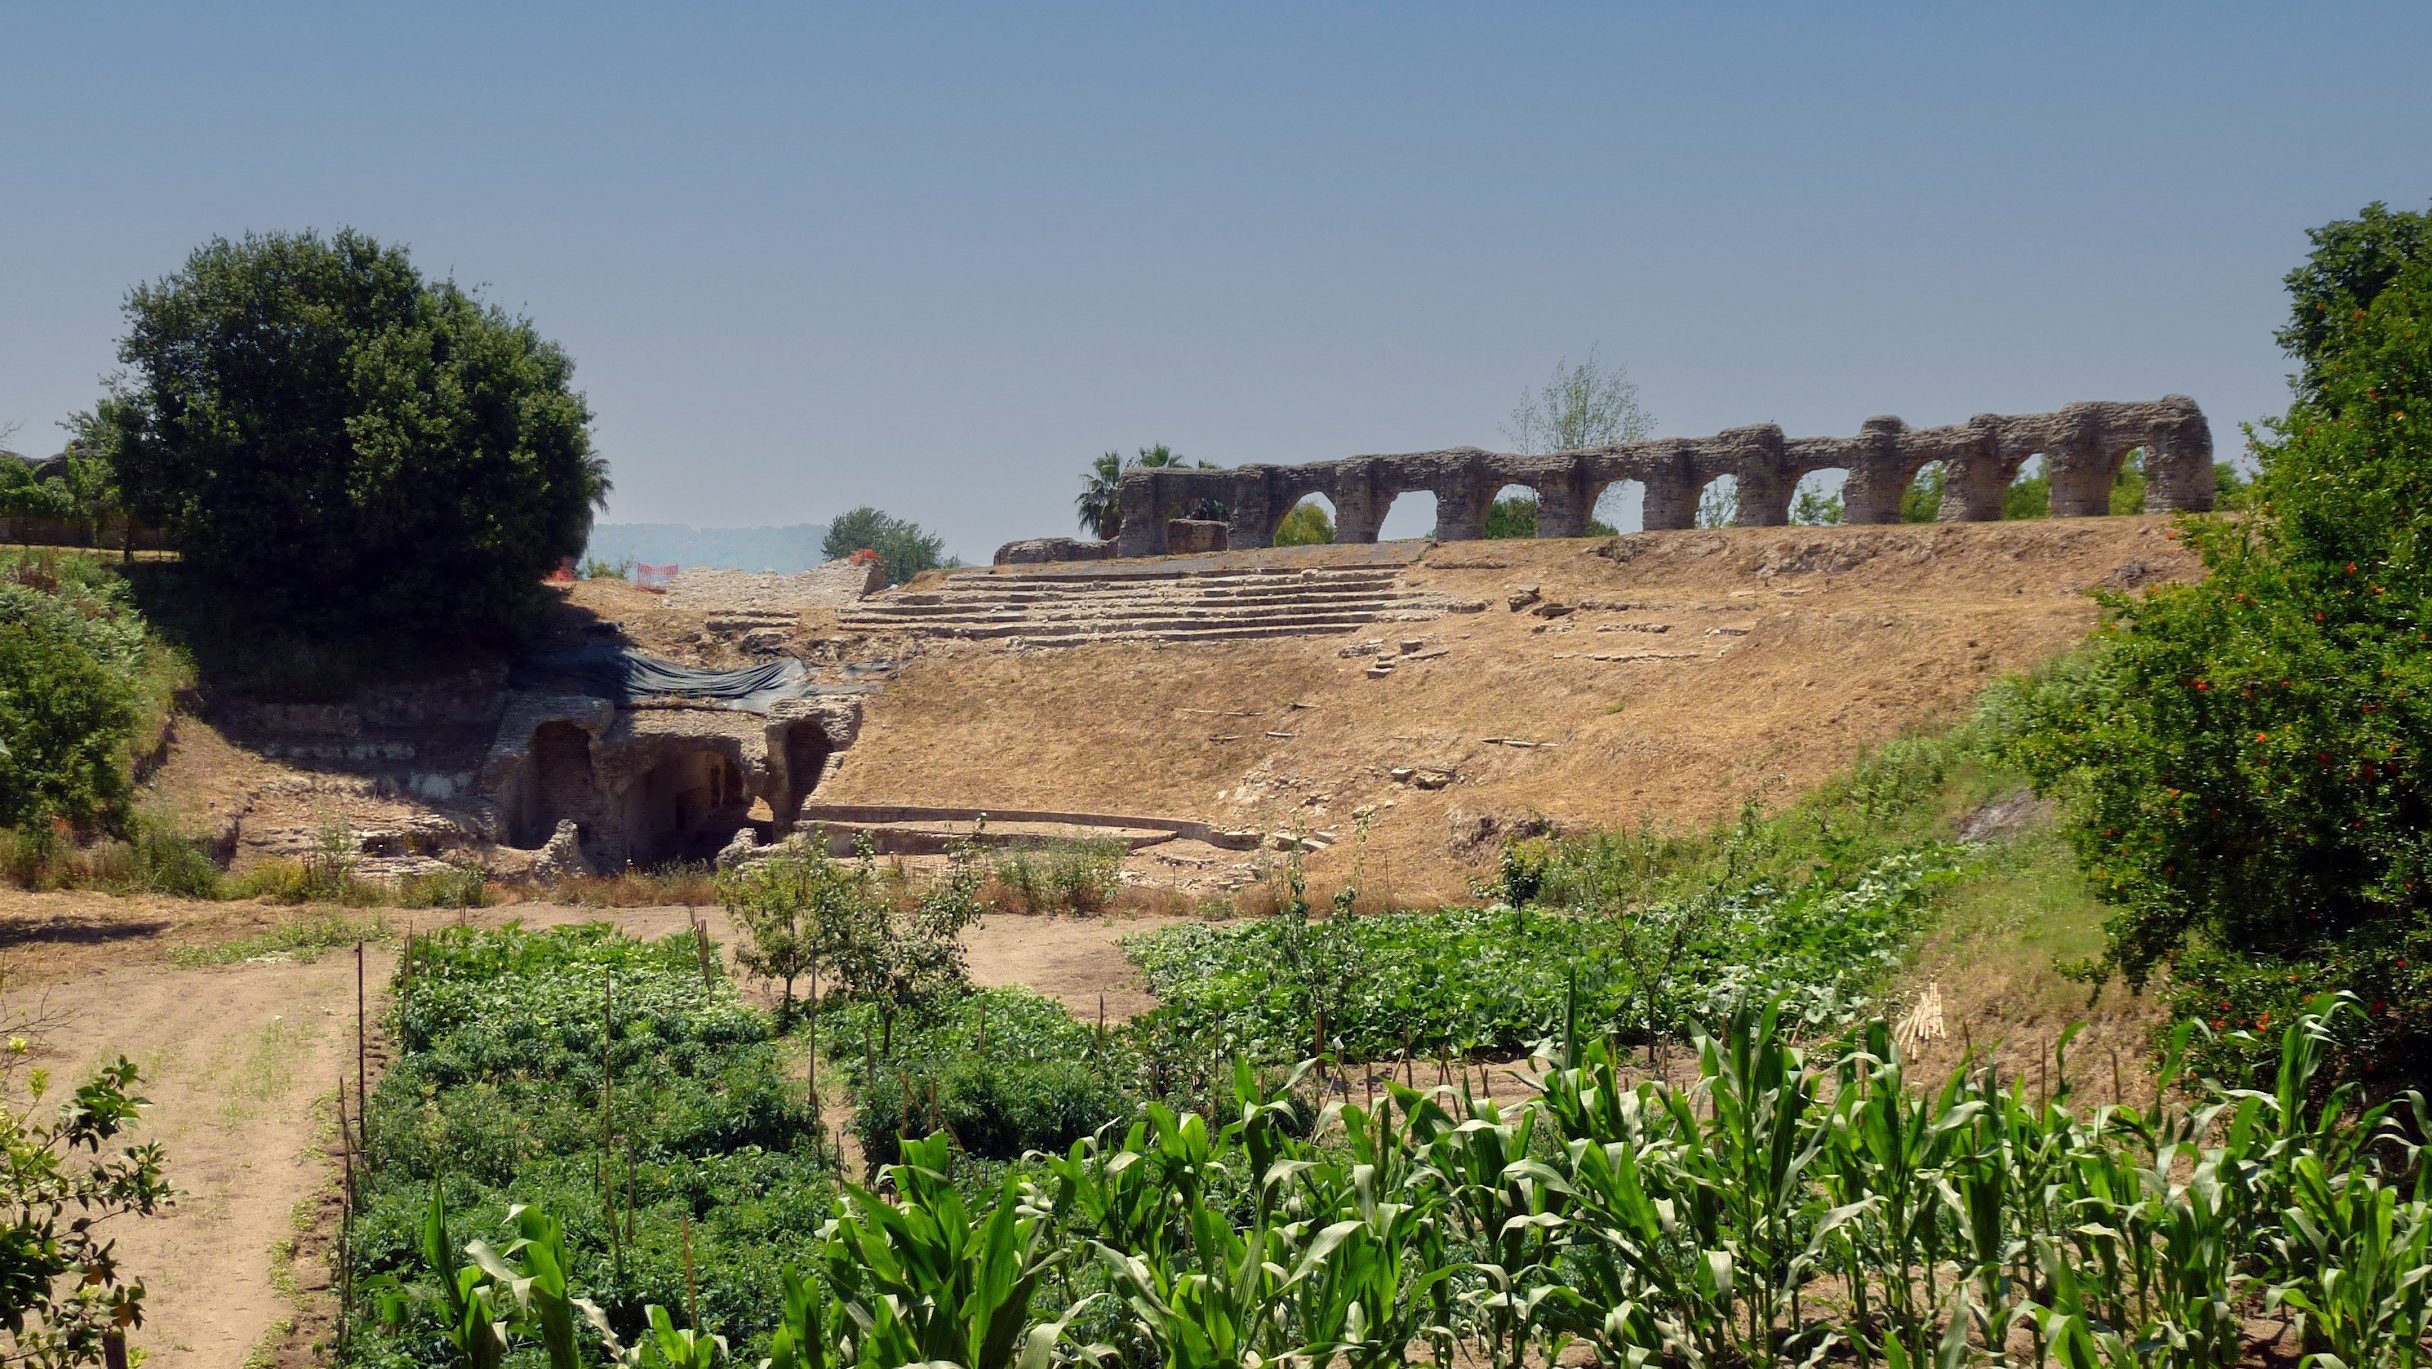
(1307, 525)
(2246, 755)
(328, 437)
(1584, 404)
(903, 549)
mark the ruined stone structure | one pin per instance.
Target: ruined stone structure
(653, 784)
(2082, 446)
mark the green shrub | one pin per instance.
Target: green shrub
(2243, 758)
(461, 885)
(162, 860)
(1005, 1070)
(84, 690)
(993, 1109)
(65, 721)
(903, 549)
(1061, 876)
(32, 857)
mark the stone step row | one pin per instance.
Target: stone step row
(1270, 596)
(1139, 589)
(909, 612)
(1168, 576)
(1166, 628)
(919, 613)
(1075, 637)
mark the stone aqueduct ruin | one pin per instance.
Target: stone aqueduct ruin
(2082, 446)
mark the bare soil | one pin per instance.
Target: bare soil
(1783, 653)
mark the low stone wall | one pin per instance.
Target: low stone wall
(2082, 447)
(1040, 551)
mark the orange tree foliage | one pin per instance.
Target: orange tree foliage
(2246, 756)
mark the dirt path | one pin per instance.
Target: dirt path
(1070, 959)
(241, 1063)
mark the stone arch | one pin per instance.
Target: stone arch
(1619, 503)
(1511, 510)
(1925, 491)
(1410, 514)
(2081, 487)
(1819, 495)
(1317, 497)
(687, 803)
(1717, 504)
(2085, 442)
(558, 784)
(2019, 491)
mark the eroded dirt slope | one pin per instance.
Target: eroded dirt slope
(1697, 668)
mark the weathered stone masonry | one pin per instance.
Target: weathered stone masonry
(2082, 447)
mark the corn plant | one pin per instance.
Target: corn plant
(469, 1317)
(1795, 1203)
(924, 1280)
(2359, 1260)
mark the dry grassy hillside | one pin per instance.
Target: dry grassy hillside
(1784, 653)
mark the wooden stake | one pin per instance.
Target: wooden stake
(700, 936)
(811, 1072)
(692, 1293)
(607, 1153)
(362, 1072)
(346, 1220)
(1320, 1053)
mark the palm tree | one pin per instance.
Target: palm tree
(1101, 511)
(1100, 508)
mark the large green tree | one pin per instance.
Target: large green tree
(331, 440)
(2248, 755)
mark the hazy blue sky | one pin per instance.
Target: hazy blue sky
(937, 257)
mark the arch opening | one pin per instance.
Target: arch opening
(558, 784)
(1621, 506)
(1718, 502)
(1512, 512)
(2029, 494)
(685, 806)
(1409, 515)
(1921, 502)
(1816, 501)
(1308, 523)
(2128, 481)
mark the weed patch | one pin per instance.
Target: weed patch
(305, 939)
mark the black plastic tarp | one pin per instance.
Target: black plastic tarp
(627, 676)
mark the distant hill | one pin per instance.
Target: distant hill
(786, 550)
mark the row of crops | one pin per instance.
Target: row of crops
(592, 1150)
